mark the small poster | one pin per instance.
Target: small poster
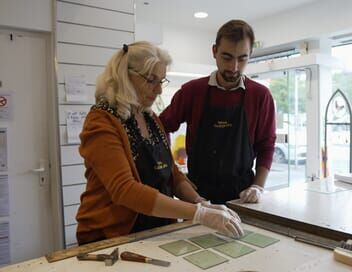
(5, 106)
(4, 195)
(76, 88)
(74, 121)
(3, 150)
(4, 243)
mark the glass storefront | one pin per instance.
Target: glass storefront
(288, 89)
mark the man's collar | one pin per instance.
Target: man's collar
(213, 82)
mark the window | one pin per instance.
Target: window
(338, 136)
(288, 89)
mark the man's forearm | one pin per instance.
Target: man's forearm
(260, 176)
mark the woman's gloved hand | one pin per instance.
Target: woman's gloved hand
(220, 207)
(252, 194)
(219, 220)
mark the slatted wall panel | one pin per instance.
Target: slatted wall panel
(88, 32)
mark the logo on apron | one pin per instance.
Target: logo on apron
(160, 165)
(222, 124)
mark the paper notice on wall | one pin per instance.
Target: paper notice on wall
(76, 88)
(74, 121)
(3, 149)
(4, 195)
(4, 244)
(5, 106)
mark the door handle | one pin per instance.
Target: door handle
(38, 170)
(41, 171)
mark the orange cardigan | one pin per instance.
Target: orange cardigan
(114, 193)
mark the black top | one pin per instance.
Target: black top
(152, 157)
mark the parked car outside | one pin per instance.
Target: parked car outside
(283, 153)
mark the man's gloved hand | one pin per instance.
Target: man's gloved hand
(252, 194)
(219, 220)
(220, 207)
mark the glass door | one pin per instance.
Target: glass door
(288, 89)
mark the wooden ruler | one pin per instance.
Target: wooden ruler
(74, 251)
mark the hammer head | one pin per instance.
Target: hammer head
(112, 258)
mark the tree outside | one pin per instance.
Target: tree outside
(282, 89)
(343, 81)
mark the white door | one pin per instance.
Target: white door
(23, 73)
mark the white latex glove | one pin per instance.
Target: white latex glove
(252, 194)
(220, 207)
(219, 220)
(199, 199)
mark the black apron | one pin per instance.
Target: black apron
(221, 160)
(154, 164)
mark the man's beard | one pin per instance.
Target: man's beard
(231, 77)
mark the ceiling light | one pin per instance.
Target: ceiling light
(200, 15)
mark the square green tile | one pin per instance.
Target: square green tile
(245, 233)
(179, 248)
(207, 240)
(205, 259)
(234, 249)
(258, 240)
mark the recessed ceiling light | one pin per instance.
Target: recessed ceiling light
(200, 15)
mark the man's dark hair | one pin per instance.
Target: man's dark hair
(235, 31)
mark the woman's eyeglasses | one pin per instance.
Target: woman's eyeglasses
(163, 82)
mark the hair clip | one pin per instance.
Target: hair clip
(125, 48)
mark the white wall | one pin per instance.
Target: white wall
(149, 32)
(88, 33)
(321, 18)
(26, 14)
(185, 45)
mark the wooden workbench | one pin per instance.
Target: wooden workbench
(319, 207)
(286, 255)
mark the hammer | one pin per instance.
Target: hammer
(108, 259)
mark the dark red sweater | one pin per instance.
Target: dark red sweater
(188, 103)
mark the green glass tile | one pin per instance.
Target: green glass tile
(207, 240)
(180, 247)
(234, 249)
(246, 232)
(259, 240)
(205, 259)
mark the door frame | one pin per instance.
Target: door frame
(311, 65)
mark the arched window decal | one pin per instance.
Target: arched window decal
(337, 113)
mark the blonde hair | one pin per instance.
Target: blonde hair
(114, 84)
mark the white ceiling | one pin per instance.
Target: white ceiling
(180, 12)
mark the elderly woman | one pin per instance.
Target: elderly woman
(131, 177)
